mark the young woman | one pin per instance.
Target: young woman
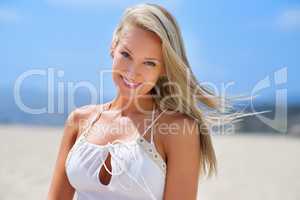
(111, 151)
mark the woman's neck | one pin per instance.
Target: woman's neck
(132, 106)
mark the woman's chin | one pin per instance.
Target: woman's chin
(128, 92)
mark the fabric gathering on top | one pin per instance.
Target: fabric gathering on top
(137, 169)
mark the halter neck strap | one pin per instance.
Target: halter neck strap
(108, 106)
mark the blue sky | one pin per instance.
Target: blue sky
(239, 41)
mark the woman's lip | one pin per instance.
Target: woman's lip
(129, 84)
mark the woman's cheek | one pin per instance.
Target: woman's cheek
(118, 66)
(120, 63)
(148, 83)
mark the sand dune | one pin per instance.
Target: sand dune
(250, 167)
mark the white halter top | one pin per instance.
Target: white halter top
(137, 169)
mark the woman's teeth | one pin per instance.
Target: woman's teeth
(130, 84)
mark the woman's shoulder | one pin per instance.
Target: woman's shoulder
(88, 110)
(82, 114)
(176, 118)
(174, 126)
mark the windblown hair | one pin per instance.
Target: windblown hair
(179, 90)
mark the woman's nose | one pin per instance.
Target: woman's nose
(132, 72)
(131, 76)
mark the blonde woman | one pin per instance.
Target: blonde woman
(151, 141)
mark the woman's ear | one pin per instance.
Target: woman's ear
(112, 49)
(112, 53)
(163, 70)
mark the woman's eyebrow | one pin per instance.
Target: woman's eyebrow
(154, 59)
(127, 49)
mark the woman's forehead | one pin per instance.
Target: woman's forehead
(140, 40)
(137, 35)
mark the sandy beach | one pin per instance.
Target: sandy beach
(251, 167)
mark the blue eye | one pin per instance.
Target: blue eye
(150, 63)
(125, 54)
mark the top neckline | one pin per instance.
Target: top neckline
(139, 137)
(149, 147)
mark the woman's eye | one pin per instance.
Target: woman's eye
(125, 54)
(150, 63)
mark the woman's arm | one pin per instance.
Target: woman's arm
(60, 188)
(183, 154)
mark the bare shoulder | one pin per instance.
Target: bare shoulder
(182, 148)
(177, 128)
(79, 117)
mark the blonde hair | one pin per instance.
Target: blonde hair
(156, 19)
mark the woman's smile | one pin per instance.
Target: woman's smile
(129, 84)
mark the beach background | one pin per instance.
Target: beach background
(260, 167)
(54, 57)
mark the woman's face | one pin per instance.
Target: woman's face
(137, 62)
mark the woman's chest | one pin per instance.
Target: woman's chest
(129, 167)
